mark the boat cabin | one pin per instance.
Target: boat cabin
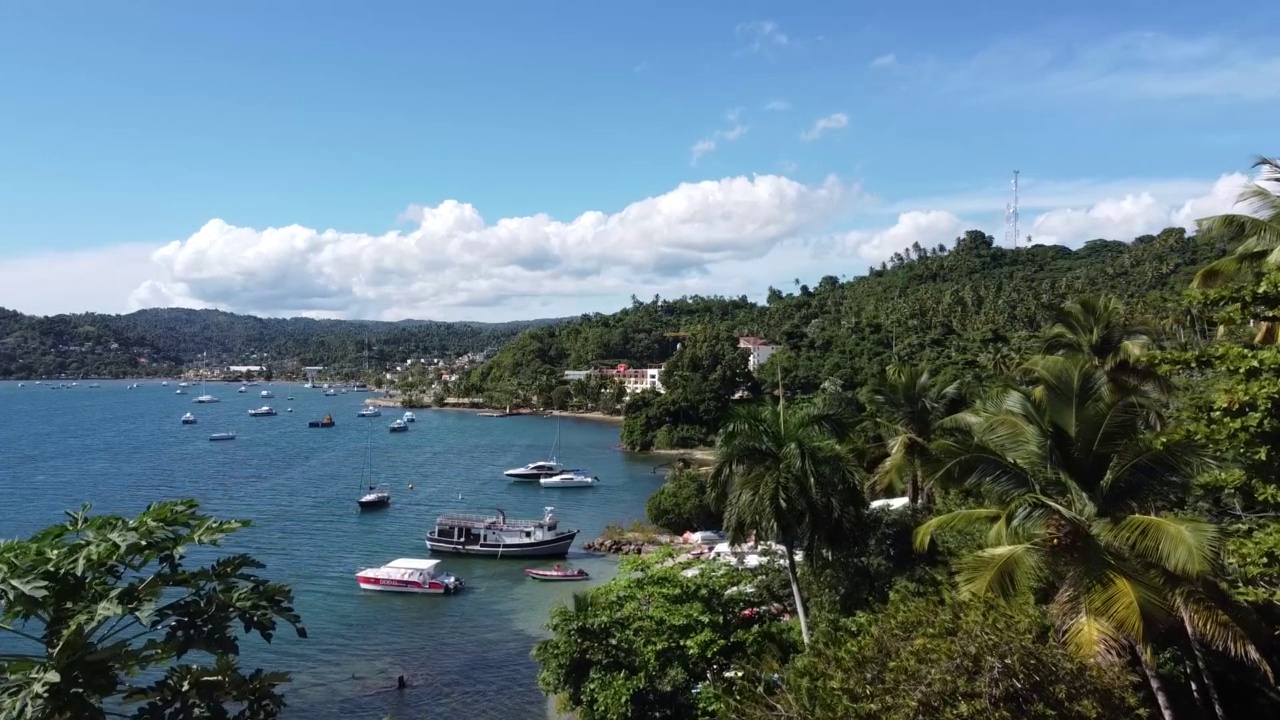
(476, 529)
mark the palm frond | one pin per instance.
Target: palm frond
(1004, 571)
(1187, 548)
(957, 520)
(1213, 617)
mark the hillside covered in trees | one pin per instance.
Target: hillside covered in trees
(159, 341)
(970, 310)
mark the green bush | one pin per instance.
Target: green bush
(682, 503)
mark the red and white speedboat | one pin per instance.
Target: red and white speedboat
(409, 575)
(557, 573)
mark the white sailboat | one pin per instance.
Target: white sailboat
(378, 495)
(204, 397)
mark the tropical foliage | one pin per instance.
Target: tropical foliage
(1102, 470)
(104, 616)
(656, 642)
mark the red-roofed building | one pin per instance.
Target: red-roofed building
(760, 351)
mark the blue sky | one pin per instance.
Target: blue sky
(129, 126)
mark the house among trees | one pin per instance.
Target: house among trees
(759, 351)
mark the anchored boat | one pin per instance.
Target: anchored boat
(496, 536)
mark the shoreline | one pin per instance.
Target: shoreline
(592, 416)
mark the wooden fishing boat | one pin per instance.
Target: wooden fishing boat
(557, 574)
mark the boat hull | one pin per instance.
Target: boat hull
(545, 576)
(372, 504)
(556, 547)
(405, 586)
(528, 475)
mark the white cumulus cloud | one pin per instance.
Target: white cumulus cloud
(838, 121)
(926, 227)
(454, 258)
(1124, 218)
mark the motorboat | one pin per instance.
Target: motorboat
(289, 398)
(330, 392)
(243, 389)
(188, 419)
(409, 416)
(264, 411)
(184, 384)
(399, 426)
(164, 383)
(93, 385)
(542, 469)
(266, 394)
(378, 496)
(412, 575)
(369, 412)
(179, 391)
(223, 436)
(557, 574)
(535, 471)
(496, 536)
(327, 421)
(570, 478)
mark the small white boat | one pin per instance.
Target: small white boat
(409, 417)
(184, 384)
(344, 391)
(266, 394)
(412, 575)
(223, 436)
(243, 389)
(289, 398)
(330, 392)
(570, 478)
(94, 385)
(369, 412)
(179, 391)
(20, 385)
(399, 426)
(205, 399)
(264, 411)
(188, 419)
(557, 574)
(164, 383)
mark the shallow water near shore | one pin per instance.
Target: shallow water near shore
(464, 656)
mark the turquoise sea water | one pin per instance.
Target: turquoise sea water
(465, 655)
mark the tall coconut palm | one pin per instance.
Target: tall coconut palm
(783, 475)
(1096, 330)
(1075, 478)
(1258, 224)
(908, 405)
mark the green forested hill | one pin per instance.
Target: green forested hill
(972, 304)
(156, 341)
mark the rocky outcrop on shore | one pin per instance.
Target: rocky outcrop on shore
(628, 545)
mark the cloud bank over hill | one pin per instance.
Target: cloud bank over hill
(736, 235)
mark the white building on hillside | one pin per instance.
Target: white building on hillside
(760, 351)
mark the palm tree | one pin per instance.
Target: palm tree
(1076, 477)
(1259, 225)
(782, 474)
(908, 405)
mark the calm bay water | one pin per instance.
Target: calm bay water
(466, 655)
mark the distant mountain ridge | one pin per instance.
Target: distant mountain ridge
(159, 340)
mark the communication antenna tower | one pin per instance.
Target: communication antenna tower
(1011, 216)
